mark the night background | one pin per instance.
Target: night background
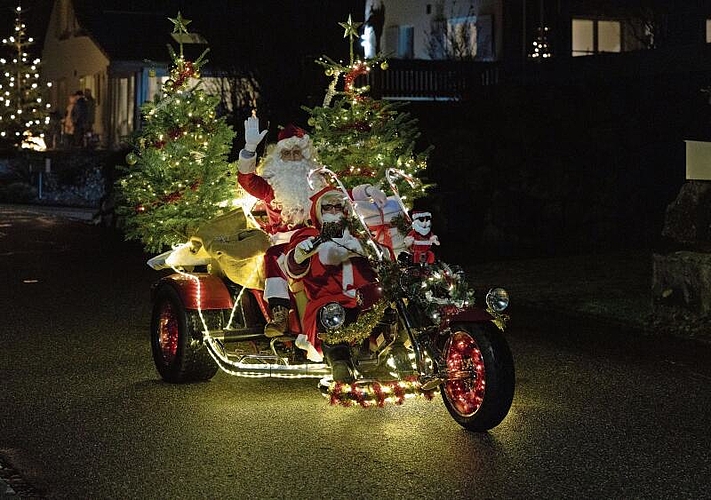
(562, 181)
(566, 158)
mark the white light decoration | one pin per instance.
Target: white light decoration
(540, 48)
(21, 90)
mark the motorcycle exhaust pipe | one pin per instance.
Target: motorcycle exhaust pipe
(264, 366)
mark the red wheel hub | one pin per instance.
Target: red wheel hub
(168, 332)
(466, 382)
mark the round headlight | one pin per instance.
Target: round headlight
(332, 316)
(497, 299)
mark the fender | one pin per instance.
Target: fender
(471, 314)
(213, 294)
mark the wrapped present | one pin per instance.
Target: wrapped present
(380, 222)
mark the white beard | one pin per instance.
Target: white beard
(421, 227)
(326, 218)
(291, 187)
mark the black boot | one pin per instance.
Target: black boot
(338, 357)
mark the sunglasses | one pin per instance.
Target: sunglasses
(327, 207)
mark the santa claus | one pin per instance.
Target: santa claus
(420, 238)
(329, 261)
(282, 182)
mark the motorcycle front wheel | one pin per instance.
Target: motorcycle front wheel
(480, 380)
(179, 356)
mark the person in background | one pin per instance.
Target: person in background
(68, 122)
(90, 111)
(79, 119)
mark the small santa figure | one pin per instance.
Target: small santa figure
(420, 239)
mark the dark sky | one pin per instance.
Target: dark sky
(36, 14)
(278, 39)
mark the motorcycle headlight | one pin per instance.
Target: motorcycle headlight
(497, 299)
(332, 316)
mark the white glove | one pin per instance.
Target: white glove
(252, 135)
(352, 243)
(304, 250)
(306, 246)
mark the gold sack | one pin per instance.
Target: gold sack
(236, 246)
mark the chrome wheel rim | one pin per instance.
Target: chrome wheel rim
(168, 332)
(466, 381)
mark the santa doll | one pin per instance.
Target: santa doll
(420, 238)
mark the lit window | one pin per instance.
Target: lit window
(461, 37)
(583, 37)
(609, 36)
(708, 31)
(593, 36)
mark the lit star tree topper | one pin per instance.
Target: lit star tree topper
(178, 176)
(351, 32)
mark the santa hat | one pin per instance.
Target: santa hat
(293, 136)
(290, 130)
(419, 214)
(327, 194)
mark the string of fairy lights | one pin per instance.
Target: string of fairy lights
(23, 114)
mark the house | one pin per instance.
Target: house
(491, 41)
(118, 50)
(86, 47)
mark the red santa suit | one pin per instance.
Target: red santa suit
(334, 273)
(420, 238)
(285, 190)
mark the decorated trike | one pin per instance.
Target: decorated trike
(417, 329)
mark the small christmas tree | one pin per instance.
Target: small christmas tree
(359, 137)
(23, 115)
(178, 175)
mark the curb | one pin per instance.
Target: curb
(73, 213)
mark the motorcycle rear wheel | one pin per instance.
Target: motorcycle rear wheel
(480, 386)
(179, 355)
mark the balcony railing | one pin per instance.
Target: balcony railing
(457, 80)
(430, 80)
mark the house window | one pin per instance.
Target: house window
(124, 106)
(708, 31)
(406, 42)
(591, 36)
(401, 41)
(461, 37)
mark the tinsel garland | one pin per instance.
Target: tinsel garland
(372, 393)
(360, 329)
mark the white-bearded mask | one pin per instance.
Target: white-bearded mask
(422, 223)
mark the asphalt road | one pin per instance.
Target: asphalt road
(598, 413)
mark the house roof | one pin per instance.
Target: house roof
(128, 30)
(238, 33)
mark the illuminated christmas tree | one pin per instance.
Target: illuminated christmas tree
(178, 175)
(359, 137)
(24, 116)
